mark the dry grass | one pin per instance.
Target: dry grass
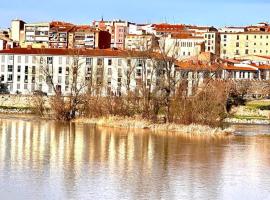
(138, 123)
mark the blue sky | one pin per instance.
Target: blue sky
(203, 12)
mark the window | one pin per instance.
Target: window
(255, 44)
(26, 59)
(19, 68)
(246, 51)
(26, 70)
(41, 60)
(18, 78)
(109, 62)
(224, 51)
(60, 70)
(89, 61)
(109, 71)
(67, 60)
(119, 62)
(237, 44)
(255, 36)
(3, 59)
(119, 72)
(10, 68)
(109, 81)
(138, 72)
(34, 59)
(247, 37)
(19, 59)
(237, 37)
(237, 52)
(18, 86)
(2, 77)
(59, 79)
(33, 79)
(33, 69)
(67, 70)
(66, 80)
(60, 60)
(99, 61)
(10, 77)
(128, 62)
(49, 60)
(26, 78)
(10, 57)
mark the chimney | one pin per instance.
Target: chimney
(29, 47)
(8, 47)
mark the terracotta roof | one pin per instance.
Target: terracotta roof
(236, 68)
(186, 36)
(52, 51)
(198, 66)
(82, 52)
(261, 66)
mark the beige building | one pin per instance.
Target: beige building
(17, 30)
(36, 34)
(239, 45)
(183, 46)
(212, 42)
(140, 42)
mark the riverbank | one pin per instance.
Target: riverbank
(254, 112)
(138, 123)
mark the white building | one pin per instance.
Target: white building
(26, 70)
(183, 46)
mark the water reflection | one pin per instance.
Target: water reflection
(47, 160)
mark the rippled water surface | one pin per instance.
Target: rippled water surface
(47, 160)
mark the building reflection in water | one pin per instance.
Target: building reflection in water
(74, 161)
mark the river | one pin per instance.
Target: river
(49, 160)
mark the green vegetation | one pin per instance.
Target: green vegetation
(14, 108)
(259, 104)
(246, 117)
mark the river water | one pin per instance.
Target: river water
(48, 160)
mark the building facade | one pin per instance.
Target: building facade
(238, 45)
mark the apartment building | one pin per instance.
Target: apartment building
(118, 30)
(36, 35)
(232, 29)
(183, 46)
(25, 70)
(17, 30)
(140, 42)
(87, 37)
(239, 45)
(58, 34)
(164, 30)
(212, 42)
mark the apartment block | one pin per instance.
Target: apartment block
(58, 34)
(212, 42)
(140, 42)
(26, 70)
(17, 30)
(36, 35)
(183, 46)
(239, 45)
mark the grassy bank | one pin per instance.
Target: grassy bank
(138, 123)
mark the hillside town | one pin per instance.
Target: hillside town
(109, 51)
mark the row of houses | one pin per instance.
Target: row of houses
(227, 42)
(111, 71)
